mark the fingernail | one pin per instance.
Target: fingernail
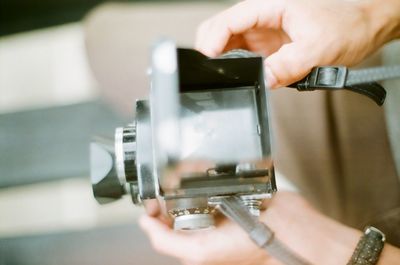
(270, 79)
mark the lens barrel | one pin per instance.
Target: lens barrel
(113, 168)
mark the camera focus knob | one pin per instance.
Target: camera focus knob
(125, 153)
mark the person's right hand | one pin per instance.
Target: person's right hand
(296, 35)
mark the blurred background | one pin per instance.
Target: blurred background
(69, 70)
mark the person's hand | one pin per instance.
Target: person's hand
(311, 235)
(296, 35)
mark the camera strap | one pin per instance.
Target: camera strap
(233, 208)
(362, 81)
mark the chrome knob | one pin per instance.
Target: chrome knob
(125, 154)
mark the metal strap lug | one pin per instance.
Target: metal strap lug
(332, 77)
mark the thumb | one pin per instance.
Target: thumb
(289, 64)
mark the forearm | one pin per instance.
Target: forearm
(389, 255)
(384, 17)
(343, 243)
(325, 241)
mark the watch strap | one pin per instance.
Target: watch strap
(368, 248)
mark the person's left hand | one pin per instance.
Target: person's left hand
(299, 226)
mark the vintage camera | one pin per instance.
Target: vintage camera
(204, 133)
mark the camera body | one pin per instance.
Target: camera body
(204, 133)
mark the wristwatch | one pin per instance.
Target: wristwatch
(368, 248)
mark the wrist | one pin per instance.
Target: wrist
(313, 236)
(384, 20)
(389, 255)
(338, 241)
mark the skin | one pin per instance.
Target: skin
(294, 36)
(288, 215)
(308, 233)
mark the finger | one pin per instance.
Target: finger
(289, 64)
(152, 207)
(202, 34)
(168, 241)
(235, 42)
(215, 33)
(266, 41)
(265, 204)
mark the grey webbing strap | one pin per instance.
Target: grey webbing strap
(373, 74)
(363, 81)
(260, 233)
